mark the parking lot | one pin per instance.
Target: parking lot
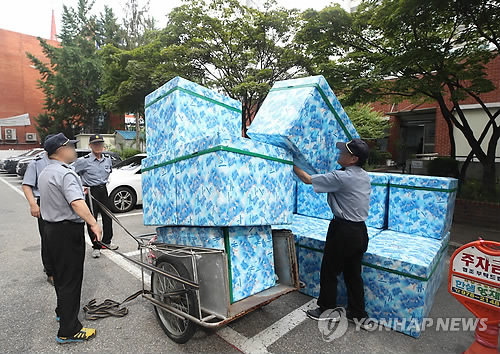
(27, 302)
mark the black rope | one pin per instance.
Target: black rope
(109, 307)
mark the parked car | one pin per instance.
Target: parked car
(23, 164)
(10, 163)
(125, 186)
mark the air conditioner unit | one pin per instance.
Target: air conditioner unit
(10, 134)
(30, 137)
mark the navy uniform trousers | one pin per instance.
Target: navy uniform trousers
(66, 250)
(101, 194)
(346, 242)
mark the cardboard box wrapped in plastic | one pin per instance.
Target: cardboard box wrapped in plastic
(310, 203)
(249, 250)
(304, 116)
(421, 205)
(181, 111)
(219, 181)
(310, 235)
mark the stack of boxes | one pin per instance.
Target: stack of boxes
(205, 185)
(409, 217)
(208, 187)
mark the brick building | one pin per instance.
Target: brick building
(19, 94)
(421, 128)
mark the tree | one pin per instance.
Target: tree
(241, 51)
(70, 81)
(369, 123)
(387, 54)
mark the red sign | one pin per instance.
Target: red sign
(474, 280)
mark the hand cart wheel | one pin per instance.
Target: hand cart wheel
(178, 329)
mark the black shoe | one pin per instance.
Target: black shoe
(321, 314)
(364, 323)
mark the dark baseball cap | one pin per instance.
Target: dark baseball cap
(96, 138)
(356, 147)
(55, 142)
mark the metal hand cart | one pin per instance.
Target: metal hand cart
(190, 285)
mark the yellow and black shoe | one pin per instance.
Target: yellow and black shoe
(83, 335)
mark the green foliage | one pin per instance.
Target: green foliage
(377, 157)
(438, 53)
(443, 167)
(370, 124)
(241, 51)
(126, 152)
(70, 79)
(471, 189)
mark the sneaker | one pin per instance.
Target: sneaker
(96, 253)
(50, 280)
(111, 246)
(317, 314)
(83, 335)
(364, 323)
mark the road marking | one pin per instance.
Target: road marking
(13, 187)
(133, 253)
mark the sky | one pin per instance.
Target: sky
(33, 17)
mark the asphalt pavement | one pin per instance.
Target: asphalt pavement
(27, 302)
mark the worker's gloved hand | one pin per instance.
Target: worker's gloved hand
(96, 229)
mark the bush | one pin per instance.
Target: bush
(443, 167)
(377, 157)
(126, 152)
(471, 190)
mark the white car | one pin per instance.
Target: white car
(125, 185)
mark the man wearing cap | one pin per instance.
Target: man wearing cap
(94, 169)
(347, 238)
(30, 189)
(65, 211)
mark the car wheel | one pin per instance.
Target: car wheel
(122, 199)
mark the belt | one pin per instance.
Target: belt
(339, 219)
(63, 222)
(99, 186)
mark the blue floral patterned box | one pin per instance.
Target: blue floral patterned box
(310, 235)
(220, 181)
(401, 272)
(421, 205)
(249, 250)
(304, 116)
(181, 111)
(314, 204)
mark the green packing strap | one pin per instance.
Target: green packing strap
(215, 149)
(192, 93)
(423, 188)
(325, 98)
(227, 247)
(380, 184)
(387, 269)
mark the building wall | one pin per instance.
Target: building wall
(442, 141)
(19, 93)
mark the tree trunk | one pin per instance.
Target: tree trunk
(488, 187)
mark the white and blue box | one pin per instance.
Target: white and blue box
(310, 203)
(304, 116)
(181, 111)
(219, 181)
(421, 205)
(249, 252)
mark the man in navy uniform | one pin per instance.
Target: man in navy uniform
(64, 210)
(347, 238)
(94, 169)
(30, 189)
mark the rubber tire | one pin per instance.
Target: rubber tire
(193, 304)
(113, 194)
